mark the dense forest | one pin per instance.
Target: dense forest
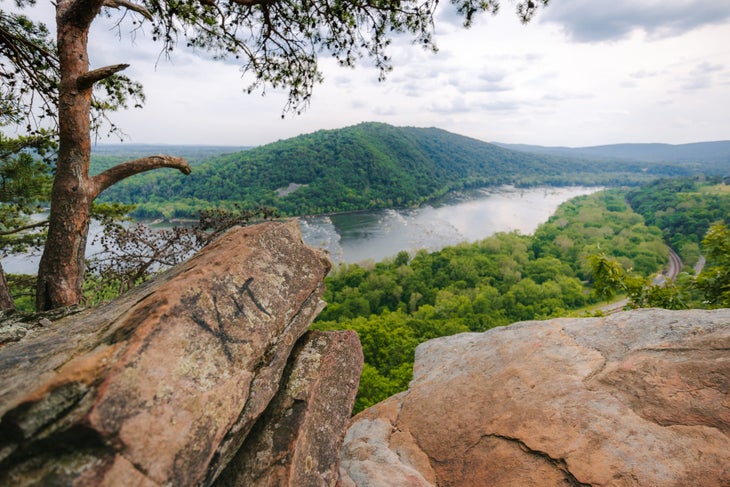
(370, 165)
(684, 208)
(398, 303)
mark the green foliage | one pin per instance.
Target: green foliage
(111, 212)
(608, 276)
(370, 165)
(601, 223)
(714, 280)
(710, 289)
(25, 182)
(28, 69)
(401, 302)
(691, 211)
(99, 288)
(684, 208)
(22, 288)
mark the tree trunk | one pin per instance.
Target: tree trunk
(6, 300)
(61, 269)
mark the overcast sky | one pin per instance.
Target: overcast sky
(584, 72)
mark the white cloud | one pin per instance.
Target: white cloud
(582, 73)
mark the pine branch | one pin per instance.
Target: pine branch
(87, 80)
(26, 227)
(140, 9)
(113, 175)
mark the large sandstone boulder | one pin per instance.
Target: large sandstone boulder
(164, 385)
(640, 398)
(297, 441)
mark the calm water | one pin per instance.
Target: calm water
(376, 235)
(461, 217)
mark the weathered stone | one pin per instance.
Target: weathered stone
(163, 385)
(15, 325)
(297, 441)
(639, 398)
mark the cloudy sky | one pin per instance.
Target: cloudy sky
(584, 72)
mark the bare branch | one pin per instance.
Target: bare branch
(113, 175)
(86, 81)
(140, 9)
(26, 227)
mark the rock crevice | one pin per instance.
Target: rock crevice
(558, 463)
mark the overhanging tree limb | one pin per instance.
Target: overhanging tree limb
(135, 7)
(102, 181)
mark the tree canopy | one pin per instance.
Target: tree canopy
(277, 42)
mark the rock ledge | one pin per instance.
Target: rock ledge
(639, 398)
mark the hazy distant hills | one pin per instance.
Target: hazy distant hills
(194, 152)
(701, 152)
(371, 165)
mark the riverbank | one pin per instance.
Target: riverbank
(373, 235)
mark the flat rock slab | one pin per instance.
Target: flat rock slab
(163, 385)
(639, 398)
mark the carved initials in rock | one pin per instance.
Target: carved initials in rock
(218, 330)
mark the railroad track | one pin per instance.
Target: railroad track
(674, 266)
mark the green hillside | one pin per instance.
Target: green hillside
(708, 157)
(370, 165)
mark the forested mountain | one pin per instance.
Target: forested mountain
(370, 165)
(712, 157)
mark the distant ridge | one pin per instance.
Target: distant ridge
(707, 152)
(180, 150)
(370, 165)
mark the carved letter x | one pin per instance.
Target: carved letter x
(219, 331)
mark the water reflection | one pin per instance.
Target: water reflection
(376, 235)
(460, 217)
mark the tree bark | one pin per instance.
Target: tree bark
(121, 171)
(61, 269)
(6, 300)
(60, 273)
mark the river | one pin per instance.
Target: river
(460, 217)
(466, 216)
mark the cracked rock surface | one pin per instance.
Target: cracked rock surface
(164, 385)
(640, 398)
